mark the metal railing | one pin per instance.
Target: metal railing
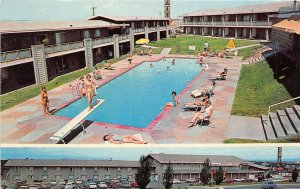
(230, 23)
(63, 47)
(279, 104)
(100, 41)
(123, 37)
(15, 55)
(139, 30)
(152, 28)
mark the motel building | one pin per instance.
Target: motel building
(35, 52)
(185, 166)
(251, 21)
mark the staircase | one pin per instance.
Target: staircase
(262, 53)
(282, 124)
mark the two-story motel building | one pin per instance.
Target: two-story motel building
(36, 52)
(251, 21)
(184, 166)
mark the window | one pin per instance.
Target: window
(107, 176)
(44, 177)
(97, 33)
(95, 168)
(57, 177)
(83, 169)
(30, 168)
(60, 38)
(86, 34)
(30, 177)
(42, 38)
(17, 168)
(57, 168)
(44, 168)
(129, 169)
(119, 169)
(107, 169)
(71, 169)
(71, 177)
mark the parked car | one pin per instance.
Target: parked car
(115, 184)
(190, 180)
(33, 187)
(176, 181)
(92, 185)
(268, 184)
(53, 182)
(125, 184)
(78, 181)
(229, 180)
(211, 181)
(70, 186)
(238, 180)
(133, 184)
(102, 185)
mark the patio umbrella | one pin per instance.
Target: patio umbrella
(142, 41)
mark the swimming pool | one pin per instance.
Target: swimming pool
(136, 97)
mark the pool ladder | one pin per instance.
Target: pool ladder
(75, 92)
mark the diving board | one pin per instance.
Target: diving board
(71, 125)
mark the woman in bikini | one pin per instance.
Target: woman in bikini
(45, 101)
(203, 114)
(118, 139)
(89, 89)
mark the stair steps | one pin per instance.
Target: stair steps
(282, 124)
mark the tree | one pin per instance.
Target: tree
(205, 175)
(219, 177)
(168, 177)
(143, 172)
(295, 174)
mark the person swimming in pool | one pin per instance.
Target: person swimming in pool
(175, 101)
(119, 139)
(173, 62)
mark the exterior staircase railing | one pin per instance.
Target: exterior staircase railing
(279, 104)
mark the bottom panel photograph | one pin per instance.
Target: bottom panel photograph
(182, 167)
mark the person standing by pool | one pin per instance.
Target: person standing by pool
(89, 88)
(80, 86)
(175, 101)
(130, 60)
(206, 46)
(45, 101)
(150, 51)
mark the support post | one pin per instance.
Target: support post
(235, 33)
(116, 46)
(131, 37)
(39, 64)
(88, 52)
(158, 33)
(267, 34)
(146, 32)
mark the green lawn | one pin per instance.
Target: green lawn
(295, 139)
(245, 53)
(180, 44)
(256, 90)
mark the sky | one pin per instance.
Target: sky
(81, 9)
(250, 153)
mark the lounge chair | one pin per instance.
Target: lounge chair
(71, 125)
(219, 77)
(186, 107)
(207, 119)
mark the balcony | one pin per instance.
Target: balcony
(123, 37)
(230, 23)
(139, 30)
(63, 47)
(15, 55)
(101, 41)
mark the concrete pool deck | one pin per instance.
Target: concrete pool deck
(25, 124)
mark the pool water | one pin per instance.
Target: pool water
(136, 97)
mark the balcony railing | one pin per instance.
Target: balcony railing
(123, 37)
(15, 55)
(139, 30)
(63, 47)
(152, 28)
(100, 41)
(230, 23)
(162, 27)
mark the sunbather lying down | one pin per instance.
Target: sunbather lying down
(219, 74)
(201, 102)
(204, 90)
(120, 139)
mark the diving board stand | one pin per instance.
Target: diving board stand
(71, 125)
